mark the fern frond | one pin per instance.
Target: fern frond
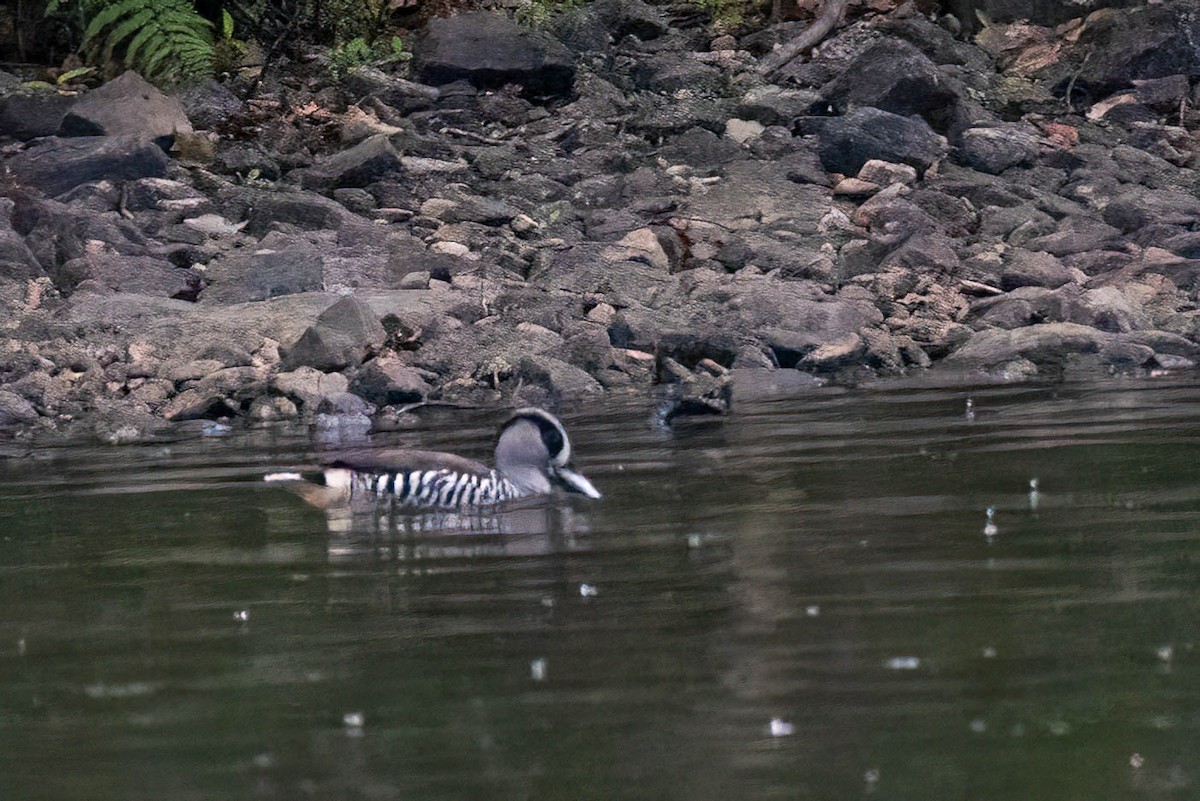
(165, 40)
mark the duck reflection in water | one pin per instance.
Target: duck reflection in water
(416, 492)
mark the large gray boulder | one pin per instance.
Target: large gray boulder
(850, 141)
(29, 115)
(490, 50)
(127, 106)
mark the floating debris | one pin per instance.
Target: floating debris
(779, 727)
(970, 410)
(903, 663)
(978, 726)
(1165, 653)
(694, 541)
(588, 591)
(537, 669)
(1136, 760)
(871, 776)
(242, 615)
(354, 719)
(988, 652)
(21, 647)
(548, 602)
(812, 611)
(1034, 496)
(990, 529)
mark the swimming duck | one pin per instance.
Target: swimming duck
(533, 455)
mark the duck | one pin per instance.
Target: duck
(532, 458)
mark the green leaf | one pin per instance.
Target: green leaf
(71, 75)
(226, 24)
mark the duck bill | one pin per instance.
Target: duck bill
(575, 482)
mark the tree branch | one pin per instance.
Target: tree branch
(810, 37)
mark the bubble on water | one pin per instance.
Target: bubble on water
(969, 413)
(990, 529)
(978, 726)
(588, 591)
(903, 663)
(264, 761)
(353, 723)
(1165, 653)
(988, 652)
(778, 727)
(871, 776)
(1034, 495)
(694, 541)
(1059, 728)
(812, 611)
(21, 647)
(547, 602)
(242, 615)
(537, 669)
(1136, 760)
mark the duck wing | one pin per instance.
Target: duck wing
(397, 460)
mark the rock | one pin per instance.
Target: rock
(850, 141)
(127, 106)
(1048, 343)
(755, 194)
(561, 379)
(896, 77)
(1075, 234)
(631, 18)
(490, 50)
(29, 115)
(1034, 269)
(198, 404)
(371, 160)
(1118, 46)
(1139, 207)
(143, 275)
(386, 381)
(309, 387)
(237, 277)
(304, 210)
(55, 166)
(742, 131)
(15, 410)
(1039, 12)
(210, 105)
(341, 337)
(641, 245)
(773, 105)
(995, 149)
(699, 147)
(885, 173)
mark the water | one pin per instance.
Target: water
(799, 602)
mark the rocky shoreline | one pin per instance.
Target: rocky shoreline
(617, 203)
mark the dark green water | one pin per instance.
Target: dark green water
(171, 628)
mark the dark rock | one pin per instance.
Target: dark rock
(893, 76)
(304, 210)
(210, 105)
(631, 18)
(1048, 343)
(386, 380)
(773, 105)
(757, 194)
(1075, 235)
(701, 148)
(1139, 207)
(55, 166)
(490, 50)
(341, 337)
(849, 142)
(1039, 12)
(668, 73)
(16, 259)
(127, 106)
(15, 410)
(238, 277)
(993, 150)
(246, 159)
(556, 376)
(1184, 244)
(1117, 47)
(29, 115)
(371, 160)
(1034, 269)
(142, 275)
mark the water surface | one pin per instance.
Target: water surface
(797, 602)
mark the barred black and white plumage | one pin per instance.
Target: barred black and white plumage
(533, 455)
